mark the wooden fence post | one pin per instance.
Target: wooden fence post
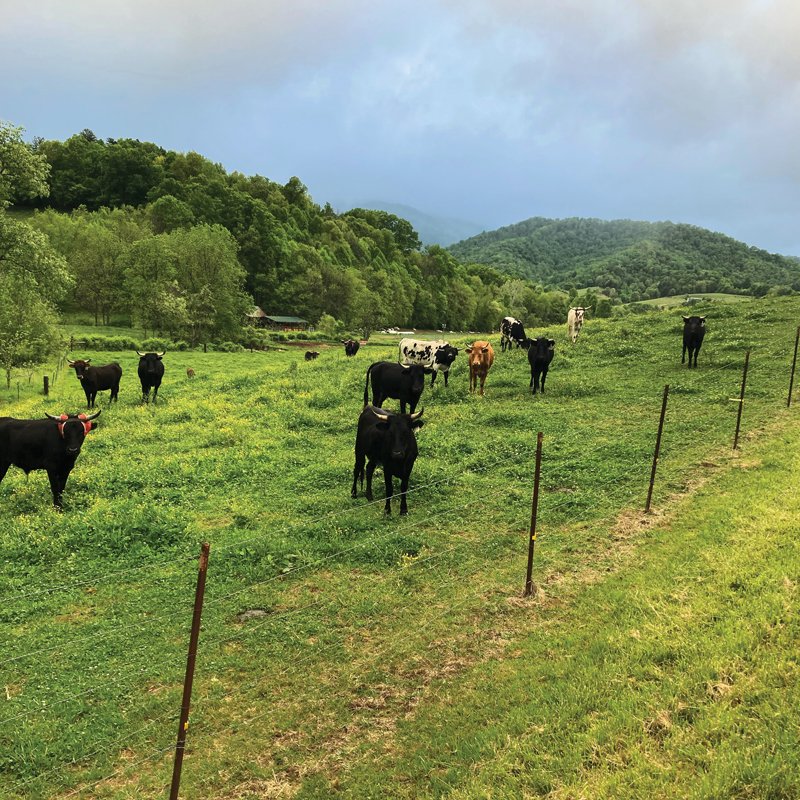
(794, 364)
(658, 448)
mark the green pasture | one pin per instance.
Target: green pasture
(680, 299)
(367, 628)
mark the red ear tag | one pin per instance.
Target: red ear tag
(63, 418)
(87, 425)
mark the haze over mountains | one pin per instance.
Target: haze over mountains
(637, 260)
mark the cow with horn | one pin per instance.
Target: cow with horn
(386, 439)
(151, 371)
(97, 379)
(51, 444)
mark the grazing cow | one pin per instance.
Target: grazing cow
(151, 371)
(481, 358)
(694, 329)
(97, 379)
(350, 346)
(50, 444)
(387, 439)
(189, 372)
(311, 355)
(575, 321)
(540, 354)
(434, 357)
(397, 381)
(511, 332)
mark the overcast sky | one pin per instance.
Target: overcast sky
(488, 110)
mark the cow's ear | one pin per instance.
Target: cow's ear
(686, 319)
(417, 423)
(484, 349)
(467, 349)
(702, 319)
(552, 343)
(93, 425)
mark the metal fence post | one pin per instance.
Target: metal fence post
(794, 364)
(741, 400)
(658, 449)
(183, 724)
(530, 588)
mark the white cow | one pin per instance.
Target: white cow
(575, 321)
(437, 356)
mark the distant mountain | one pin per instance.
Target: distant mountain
(639, 260)
(432, 229)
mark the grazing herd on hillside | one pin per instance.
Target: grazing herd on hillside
(383, 438)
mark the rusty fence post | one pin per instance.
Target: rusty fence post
(741, 400)
(658, 449)
(794, 364)
(530, 588)
(183, 724)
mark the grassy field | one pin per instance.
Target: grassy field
(680, 299)
(394, 657)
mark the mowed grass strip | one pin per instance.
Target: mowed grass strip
(673, 674)
(255, 454)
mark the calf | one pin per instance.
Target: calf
(97, 379)
(387, 439)
(51, 444)
(694, 330)
(350, 346)
(434, 357)
(511, 332)
(481, 358)
(397, 381)
(311, 355)
(189, 372)
(540, 354)
(575, 321)
(151, 371)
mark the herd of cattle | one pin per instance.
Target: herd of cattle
(384, 438)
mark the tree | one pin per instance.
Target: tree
(23, 173)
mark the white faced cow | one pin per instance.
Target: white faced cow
(575, 321)
(434, 357)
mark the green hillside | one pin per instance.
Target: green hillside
(637, 260)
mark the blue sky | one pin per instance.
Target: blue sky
(487, 111)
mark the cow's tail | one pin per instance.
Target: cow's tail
(366, 387)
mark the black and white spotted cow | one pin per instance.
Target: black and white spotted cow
(512, 332)
(434, 357)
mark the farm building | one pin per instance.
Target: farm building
(277, 323)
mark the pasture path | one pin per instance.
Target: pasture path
(444, 712)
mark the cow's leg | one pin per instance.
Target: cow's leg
(544, 375)
(88, 398)
(387, 480)
(683, 355)
(403, 407)
(483, 380)
(56, 487)
(413, 404)
(370, 471)
(358, 470)
(433, 378)
(4, 465)
(446, 373)
(404, 490)
(155, 393)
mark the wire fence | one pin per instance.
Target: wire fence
(446, 569)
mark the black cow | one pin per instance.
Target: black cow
(395, 380)
(151, 371)
(50, 444)
(350, 346)
(97, 379)
(387, 439)
(694, 329)
(311, 355)
(512, 332)
(540, 354)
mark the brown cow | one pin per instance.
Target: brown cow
(481, 358)
(189, 372)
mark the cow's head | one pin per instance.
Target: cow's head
(413, 377)
(399, 430)
(149, 360)
(80, 367)
(542, 346)
(74, 428)
(692, 323)
(446, 355)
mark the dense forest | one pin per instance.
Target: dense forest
(178, 245)
(631, 260)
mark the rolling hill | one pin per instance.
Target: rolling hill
(638, 260)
